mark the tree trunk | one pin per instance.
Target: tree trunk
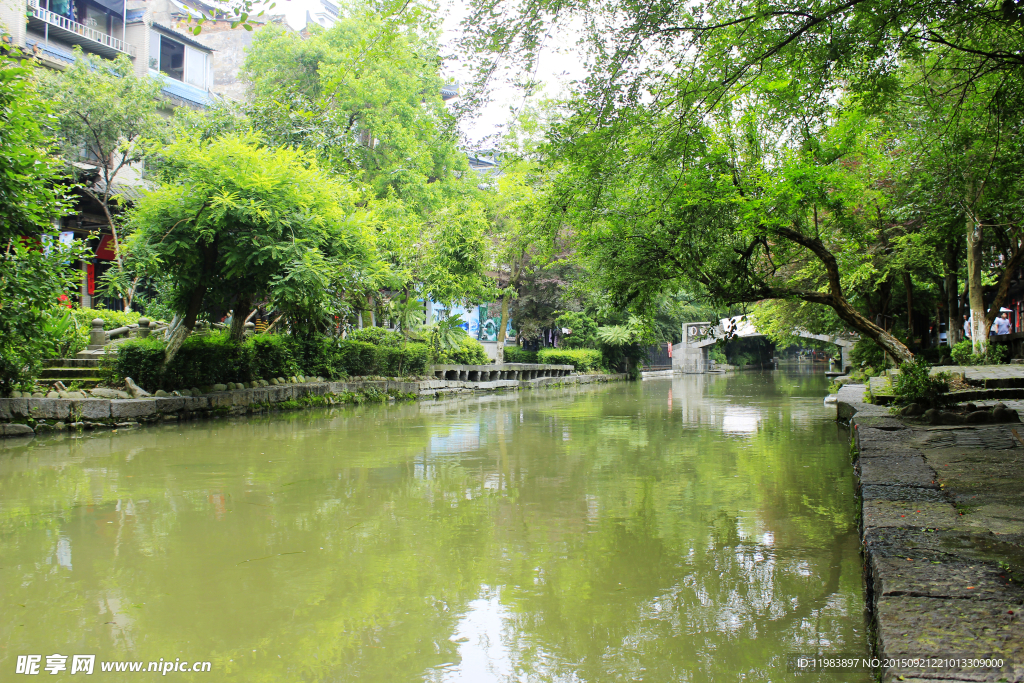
(979, 320)
(893, 346)
(954, 325)
(908, 287)
(370, 307)
(835, 299)
(179, 335)
(237, 321)
(500, 337)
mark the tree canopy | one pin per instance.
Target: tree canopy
(237, 218)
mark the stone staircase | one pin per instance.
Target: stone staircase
(83, 369)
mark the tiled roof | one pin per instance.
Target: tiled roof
(52, 51)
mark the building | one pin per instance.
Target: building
(51, 29)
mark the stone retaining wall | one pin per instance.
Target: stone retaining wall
(942, 526)
(27, 416)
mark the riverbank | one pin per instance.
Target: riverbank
(942, 530)
(29, 416)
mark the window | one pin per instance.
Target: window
(172, 58)
(179, 61)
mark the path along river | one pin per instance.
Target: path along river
(693, 529)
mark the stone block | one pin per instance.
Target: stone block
(169, 405)
(897, 470)
(50, 408)
(13, 408)
(923, 626)
(221, 399)
(15, 430)
(912, 514)
(90, 409)
(240, 398)
(141, 407)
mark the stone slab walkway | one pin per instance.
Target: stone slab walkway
(943, 534)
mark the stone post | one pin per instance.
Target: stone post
(143, 327)
(250, 329)
(97, 337)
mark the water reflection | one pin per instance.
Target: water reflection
(679, 530)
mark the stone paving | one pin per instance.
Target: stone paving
(943, 532)
(981, 373)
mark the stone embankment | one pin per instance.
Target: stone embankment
(109, 408)
(943, 536)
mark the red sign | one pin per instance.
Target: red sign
(90, 278)
(105, 250)
(670, 355)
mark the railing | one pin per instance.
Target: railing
(74, 27)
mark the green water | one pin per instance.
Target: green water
(696, 529)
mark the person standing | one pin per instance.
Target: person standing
(1003, 324)
(967, 327)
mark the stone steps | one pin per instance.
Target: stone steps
(51, 374)
(91, 362)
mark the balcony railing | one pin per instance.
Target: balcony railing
(73, 32)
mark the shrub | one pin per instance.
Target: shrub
(468, 352)
(584, 360)
(142, 360)
(516, 354)
(915, 384)
(407, 359)
(963, 354)
(867, 352)
(583, 332)
(214, 359)
(379, 336)
(77, 335)
(271, 355)
(356, 357)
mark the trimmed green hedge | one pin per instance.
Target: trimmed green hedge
(585, 360)
(214, 359)
(378, 336)
(516, 354)
(469, 352)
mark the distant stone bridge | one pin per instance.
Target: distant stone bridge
(691, 355)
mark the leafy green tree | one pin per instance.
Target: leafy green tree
(236, 220)
(365, 96)
(35, 269)
(106, 118)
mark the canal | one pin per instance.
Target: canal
(690, 529)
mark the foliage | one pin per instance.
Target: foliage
(445, 334)
(235, 219)
(30, 192)
(963, 354)
(379, 336)
(585, 360)
(915, 384)
(716, 354)
(583, 330)
(468, 351)
(271, 355)
(867, 353)
(517, 354)
(204, 360)
(76, 336)
(106, 122)
(35, 269)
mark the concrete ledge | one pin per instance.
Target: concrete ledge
(25, 416)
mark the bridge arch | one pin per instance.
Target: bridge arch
(691, 355)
